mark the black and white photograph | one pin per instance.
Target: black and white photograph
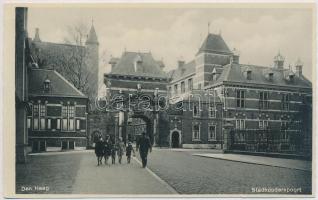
(161, 100)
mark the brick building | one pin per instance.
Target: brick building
(263, 103)
(132, 74)
(57, 117)
(79, 61)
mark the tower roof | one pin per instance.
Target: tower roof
(37, 35)
(214, 43)
(92, 37)
(148, 65)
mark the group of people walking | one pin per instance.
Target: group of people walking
(108, 149)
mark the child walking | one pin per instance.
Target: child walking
(129, 149)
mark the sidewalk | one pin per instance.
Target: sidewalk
(117, 179)
(261, 160)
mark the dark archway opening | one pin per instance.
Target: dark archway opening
(175, 138)
(133, 136)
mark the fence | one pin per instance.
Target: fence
(273, 141)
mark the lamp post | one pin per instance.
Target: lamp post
(156, 115)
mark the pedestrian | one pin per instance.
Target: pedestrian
(113, 152)
(144, 146)
(99, 151)
(129, 149)
(107, 149)
(120, 149)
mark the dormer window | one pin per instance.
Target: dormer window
(47, 84)
(270, 76)
(247, 72)
(249, 75)
(214, 74)
(137, 63)
(291, 77)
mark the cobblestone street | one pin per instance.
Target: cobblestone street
(77, 173)
(190, 174)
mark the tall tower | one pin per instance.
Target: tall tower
(212, 55)
(92, 63)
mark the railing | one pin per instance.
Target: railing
(273, 141)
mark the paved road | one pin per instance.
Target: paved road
(55, 172)
(187, 174)
(116, 179)
(199, 175)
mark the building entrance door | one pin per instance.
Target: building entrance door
(175, 139)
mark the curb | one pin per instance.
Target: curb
(171, 189)
(241, 161)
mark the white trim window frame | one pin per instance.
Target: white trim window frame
(212, 110)
(240, 124)
(212, 133)
(196, 110)
(240, 98)
(196, 129)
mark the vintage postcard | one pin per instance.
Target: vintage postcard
(159, 100)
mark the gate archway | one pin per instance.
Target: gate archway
(149, 124)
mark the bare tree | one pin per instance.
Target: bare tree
(75, 66)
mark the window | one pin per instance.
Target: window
(196, 132)
(240, 98)
(42, 123)
(249, 75)
(263, 100)
(49, 124)
(284, 125)
(263, 124)
(64, 127)
(42, 110)
(71, 111)
(64, 111)
(78, 124)
(71, 125)
(212, 132)
(58, 124)
(182, 87)
(190, 84)
(29, 122)
(285, 101)
(240, 124)
(36, 110)
(199, 86)
(212, 111)
(170, 91)
(176, 88)
(36, 123)
(196, 111)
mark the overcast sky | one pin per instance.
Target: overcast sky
(177, 33)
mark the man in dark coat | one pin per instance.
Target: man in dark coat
(99, 151)
(143, 145)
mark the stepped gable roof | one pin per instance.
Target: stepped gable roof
(214, 43)
(186, 70)
(92, 36)
(59, 86)
(234, 73)
(148, 66)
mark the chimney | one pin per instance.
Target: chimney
(180, 64)
(37, 35)
(235, 57)
(279, 61)
(299, 67)
(113, 62)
